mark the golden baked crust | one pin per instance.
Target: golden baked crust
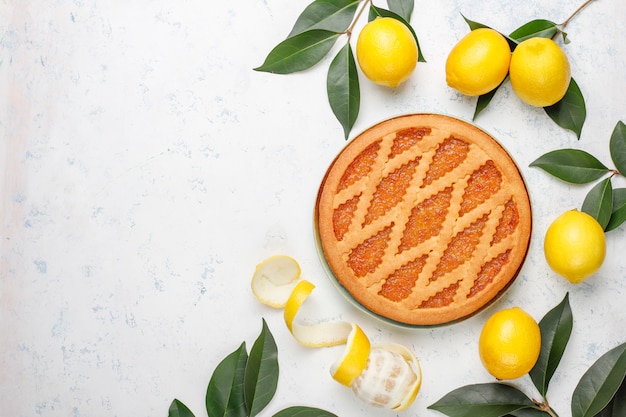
(424, 219)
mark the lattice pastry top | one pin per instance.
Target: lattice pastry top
(423, 219)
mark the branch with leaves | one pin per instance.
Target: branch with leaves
(570, 112)
(604, 202)
(243, 385)
(601, 391)
(314, 35)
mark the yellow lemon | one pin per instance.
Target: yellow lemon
(386, 51)
(575, 245)
(509, 343)
(478, 63)
(540, 72)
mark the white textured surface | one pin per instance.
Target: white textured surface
(145, 169)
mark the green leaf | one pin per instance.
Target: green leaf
(617, 406)
(299, 52)
(261, 375)
(617, 146)
(619, 401)
(484, 100)
(571, 165)
(332, 15)
(473, 24)
(528, 412)
(600, 383)
(598, 202)
(477, 25)
(342, 86)
(570, 112)
(539, 28)
(303, 412)
(556, 328)
(403, 8)
(618, 216)
(378, 12)
(484, 400)
(224, 396)
(178, 409)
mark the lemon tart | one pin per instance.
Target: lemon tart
(423, 219)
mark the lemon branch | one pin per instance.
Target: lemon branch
(348, 31)
(545, 407)
(585, 4)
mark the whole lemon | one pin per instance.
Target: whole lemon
(510, 343)
(540, 72)
(478, 63)
(575, 245)
(386, 51)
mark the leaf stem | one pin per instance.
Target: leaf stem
(356, 18)
(585, 4)
(545, 407)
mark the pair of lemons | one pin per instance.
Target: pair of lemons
(538, 68)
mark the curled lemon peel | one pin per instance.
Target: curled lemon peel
(354, 360)
(276, 282)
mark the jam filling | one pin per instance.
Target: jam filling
(449, 155)
(342, 216)
(406, 139)
(426, 219)
(360, 167)
(508, 222)
(488, 272)
(400, 283)
(391, 190)
(483, 183)
(442, 298)
(366, 257)
(460, 248)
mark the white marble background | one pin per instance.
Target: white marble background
(145, 169)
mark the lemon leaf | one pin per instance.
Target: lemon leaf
(261, 375)
(485, 400)
(379, 12)
(599, 384)
(332, 15)
(617, 147)
(224, 395)
(556, 328)
(536, 28)
(571, 165)
(599, 202)
(473, 25)
(299, 52)
(403, 8)
(342, 86)
(570, 112)
(618, 216)
(178, 409)
(483, 101)
(528, 412)
(300, 411)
